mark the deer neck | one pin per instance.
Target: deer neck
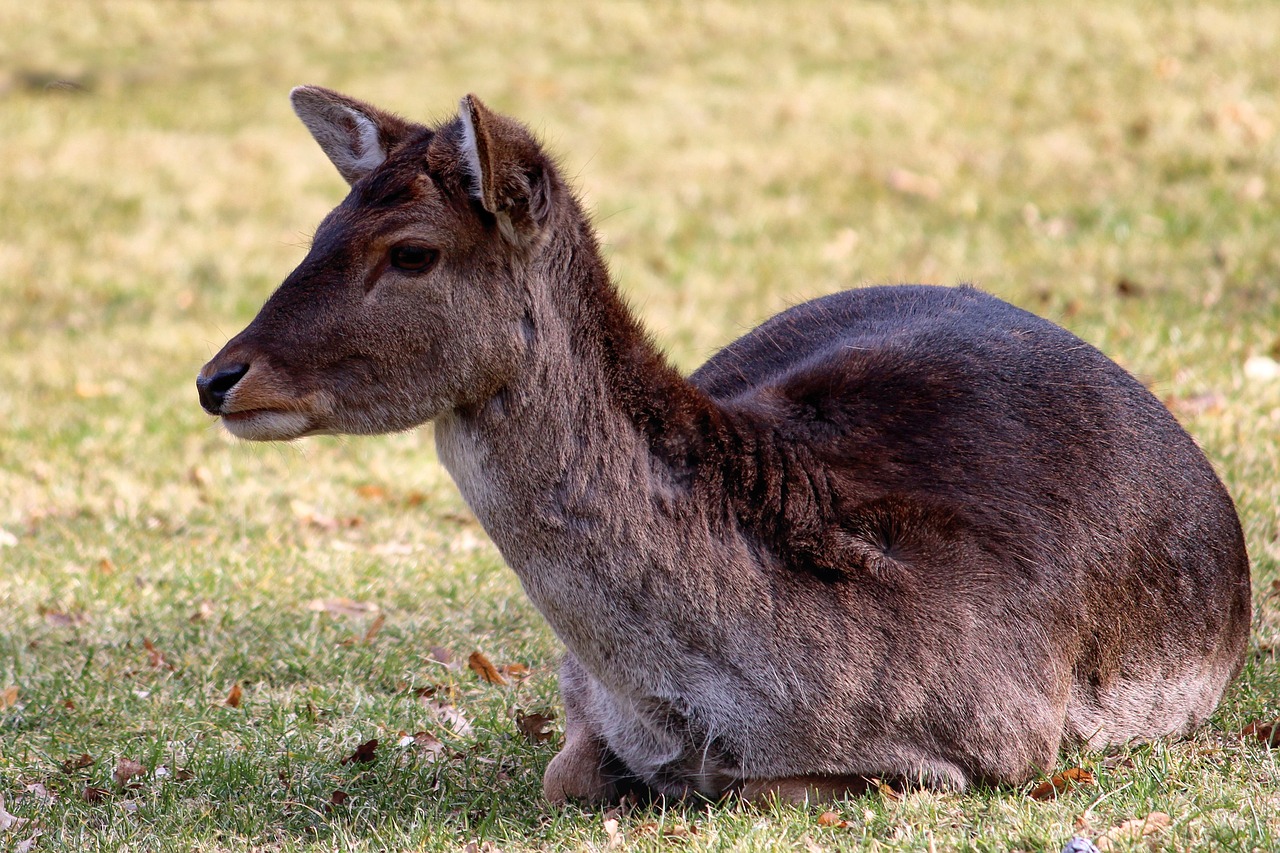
(580, 468)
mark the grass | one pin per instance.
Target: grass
(1114, 168)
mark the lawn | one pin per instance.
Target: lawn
(199, 638)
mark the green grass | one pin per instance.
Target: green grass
(739, 158)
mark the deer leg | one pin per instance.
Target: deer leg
(585, 769)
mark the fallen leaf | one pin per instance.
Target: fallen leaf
(342, 607)
(71, 765)
(28, 845)
(8, 697)
(515, 671)
(424, 743)
(127, 769)
(441, 655)
(8, 821)
(483, 667)
(375, 627)
(1134, 830)
(833, 820)
(94, 795)
(155, 657)
(339, 797)
(536, 727)
(1267, 732)
(887, 791)
(130, 806)
(182, 774)
(371, 492)
(364, 753)
(1050, 788)
(41, 793)
(234, 697)
(452, 717)
(612, 832)
(203, 611)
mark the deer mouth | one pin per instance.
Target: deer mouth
(267, 424)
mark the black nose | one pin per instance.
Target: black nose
(213, 389)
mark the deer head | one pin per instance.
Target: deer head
(412, 297)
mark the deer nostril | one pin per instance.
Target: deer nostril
(213, 389)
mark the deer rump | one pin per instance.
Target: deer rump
(982, 540)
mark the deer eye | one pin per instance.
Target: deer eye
(411, 258)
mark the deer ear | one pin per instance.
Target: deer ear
(510, 176)
(355, 136)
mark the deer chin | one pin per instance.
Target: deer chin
(267, 425)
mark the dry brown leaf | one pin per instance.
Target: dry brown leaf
(127, 769)
(371, 492)
(339, 797)
(94, 795)
(9, 697)
(425, 743)
(1267, 732)
(234, 697)
(375, 627)
(441, 655)
(71, 765)
(515, 671)
(342, 607)
(887, 791)
(832, 819)
(364, 753)
(155, 657)
(1050, 788)
(484, 667)
(1134, 830)
(536, 727)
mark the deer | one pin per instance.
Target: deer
(907, 532)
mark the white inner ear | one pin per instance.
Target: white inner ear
(367, 152)
(470, 153)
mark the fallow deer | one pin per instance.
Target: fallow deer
(904, 532)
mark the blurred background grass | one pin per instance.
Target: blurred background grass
(1113, 167)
